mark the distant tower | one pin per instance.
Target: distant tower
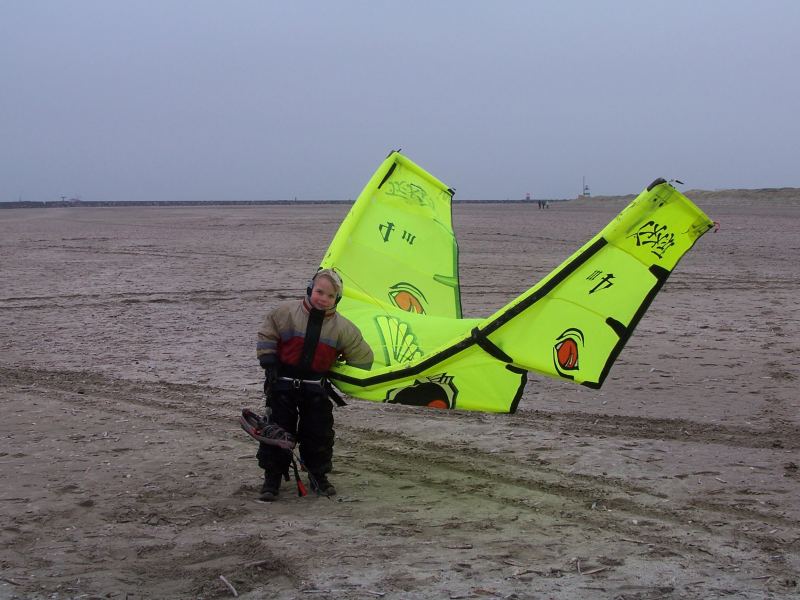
(585, 193)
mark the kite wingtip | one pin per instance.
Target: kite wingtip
(658, 181)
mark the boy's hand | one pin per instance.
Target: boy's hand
(270, 366)
(270, 374)
(267, 360)
(270, 377)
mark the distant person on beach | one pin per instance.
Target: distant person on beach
(298, 343)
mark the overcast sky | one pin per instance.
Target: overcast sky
(255, 99)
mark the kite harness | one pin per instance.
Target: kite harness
(320, 386)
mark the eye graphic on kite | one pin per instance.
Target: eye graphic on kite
(407, 297)
(566, 351)
(437, 391)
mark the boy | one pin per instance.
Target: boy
(298, 342)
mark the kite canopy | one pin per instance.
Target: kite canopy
(398, 257)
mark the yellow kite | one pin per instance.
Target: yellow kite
(398, 257)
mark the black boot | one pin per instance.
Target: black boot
(321, 485)
(272, 483)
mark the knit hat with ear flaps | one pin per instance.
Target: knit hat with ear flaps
(333, 277)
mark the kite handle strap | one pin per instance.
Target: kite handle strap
(332, 394)
(488, 346)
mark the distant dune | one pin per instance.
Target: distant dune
(781, 196)
(788, 194)
(784, 195)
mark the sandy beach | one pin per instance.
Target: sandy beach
(127, 351)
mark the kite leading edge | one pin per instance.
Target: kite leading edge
(398, 257)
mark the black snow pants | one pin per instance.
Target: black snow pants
(307, 414)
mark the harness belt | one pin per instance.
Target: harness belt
(323, 386)
(298, 383)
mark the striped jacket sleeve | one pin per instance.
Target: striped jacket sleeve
(355, 351)
(268, 337)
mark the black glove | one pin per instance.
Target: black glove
(270, 374)
(270, 377)
(267, 360)
(270, 366)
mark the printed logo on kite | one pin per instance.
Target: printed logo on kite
(399, 342)
(408, 297)
(408, 191)
(566, 352)
(600, 283)
(435, 391)
(656, 236)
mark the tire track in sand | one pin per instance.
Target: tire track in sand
(607, 503)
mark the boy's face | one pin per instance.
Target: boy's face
(323, 294)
